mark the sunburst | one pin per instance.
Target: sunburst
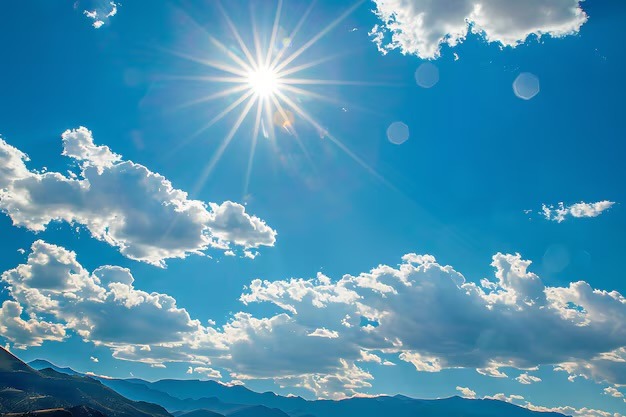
(265, 82)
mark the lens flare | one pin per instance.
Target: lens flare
(268, 77)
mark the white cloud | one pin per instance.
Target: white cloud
(565, 410)
(123, 204)
(101, 15)
(574, 412)
(78, 144)
(370, 357)
(23, 333)
(513, 398)
(421, 362)
(229, 222)
(102, 306)
(420, 27)
(466, 392)
(329, 334)
(206, 371)
(431, 317)
(420, 312)
(492, 371)
(578, 210)
(613, 392)
(527, 379)
(249, 254)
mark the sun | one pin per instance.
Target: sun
(264, 82)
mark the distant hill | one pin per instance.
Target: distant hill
(193, 394)
(199, 413)
(194, 398)
(258, 411)
(79, 411)
(43, 364)
(24, 389)
(9, 363)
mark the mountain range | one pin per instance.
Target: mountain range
(41, 388)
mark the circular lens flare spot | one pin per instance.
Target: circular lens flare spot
(263, 81)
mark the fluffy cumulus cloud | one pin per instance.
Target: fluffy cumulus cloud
(102, 306)
(561, 212)
(420, 312)
(122, 203)
(101, 15)
(420, 27)
(430, 316)
(23, 333)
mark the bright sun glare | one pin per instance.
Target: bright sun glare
(264, 76)
(264, 82)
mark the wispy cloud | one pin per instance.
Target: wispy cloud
(561, 212)
(466, 392)
(527, 379)
(101, 15)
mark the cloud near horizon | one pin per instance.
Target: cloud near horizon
(512, 321)
(519, 400)
(421, 27)
(123, 204)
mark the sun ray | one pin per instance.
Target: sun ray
(328, 99)
(231, 80)
(210, 97)
(225, 142)
(317, 37)
(288, 125)
(224, 112)
(311, 94)
(263, 75)
(293, 34)
(336, 141)
(304, 66)
(213, 64)
(309, 81)
(246, 67)
(180, 145)
(255, 137)
(258, 49)
(270, 48)
(237, 36)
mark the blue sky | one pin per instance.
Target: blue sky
(470, 182)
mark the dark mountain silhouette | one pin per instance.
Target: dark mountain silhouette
(258, 411)
(195, 394)
(24, 389)
(9, 363)
(199, 413)
(194, 398)
(43, 364)
(78, 411)
(217, 398)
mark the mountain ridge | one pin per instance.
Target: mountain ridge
(187, 396)
(24, 389)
